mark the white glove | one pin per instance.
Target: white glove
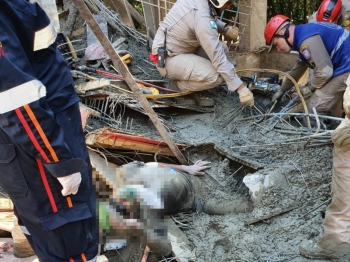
(246, 96)
(70, 184)
(231, 33)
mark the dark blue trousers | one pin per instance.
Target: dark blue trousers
(61, 228)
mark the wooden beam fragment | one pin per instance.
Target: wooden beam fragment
(122, 68)
(6, 220)
(180, 244)
(85, 112)
(113, 139)
(92, 85)
(6, 204)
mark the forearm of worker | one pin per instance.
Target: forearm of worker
(323, 70)
(208, 38)
(296, 73)
(165, 165)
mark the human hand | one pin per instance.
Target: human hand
(197, 167)
(70, 183)
(306, 90)
(246, 96)
(231, 33)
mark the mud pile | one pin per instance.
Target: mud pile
(292, 177)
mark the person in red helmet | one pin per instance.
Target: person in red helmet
(333, 11)
(329, 11)
(322, 47)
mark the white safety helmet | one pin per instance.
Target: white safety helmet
(218, 3)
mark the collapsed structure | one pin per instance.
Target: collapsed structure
(259, 153)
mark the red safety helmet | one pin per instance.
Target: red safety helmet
(273, 25)
(329, 11)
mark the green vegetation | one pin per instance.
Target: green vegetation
(298, 10)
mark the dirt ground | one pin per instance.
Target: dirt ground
(237, 145)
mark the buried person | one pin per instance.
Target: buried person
(136, 210)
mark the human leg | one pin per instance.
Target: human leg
(191, 72)
(334, 242)
(328, 98)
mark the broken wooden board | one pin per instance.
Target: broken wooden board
(180, 244)
(184, 106)
(6, 204)
(78, 32)
(92, 85)
(7, 219)
(114, 139)
(85, 112)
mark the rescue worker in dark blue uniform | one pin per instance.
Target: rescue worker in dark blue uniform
(323, 47)
(44, 163)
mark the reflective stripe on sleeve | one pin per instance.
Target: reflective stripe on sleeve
(44, 37)
(21, 95)
(340, 41)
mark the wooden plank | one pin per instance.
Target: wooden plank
(120, 7)
(85, 112)
(107, 138)
(92, 85)
(6, 221)
(180, 244)
(123, 69)
(6, 204)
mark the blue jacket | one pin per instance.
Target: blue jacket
(41, 137)
(336, 41)
(30, 92)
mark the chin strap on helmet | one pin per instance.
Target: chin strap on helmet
(285, 35)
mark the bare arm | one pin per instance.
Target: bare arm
(194, 169)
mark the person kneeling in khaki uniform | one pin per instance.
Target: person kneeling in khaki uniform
(195, 58)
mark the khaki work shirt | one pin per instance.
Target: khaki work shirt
(189, 26)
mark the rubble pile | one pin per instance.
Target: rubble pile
(283, 168)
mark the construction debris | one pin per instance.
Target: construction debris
(114, 139)
(277, 166)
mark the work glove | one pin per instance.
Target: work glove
(231, 33)
(70, 183)
(246, 97)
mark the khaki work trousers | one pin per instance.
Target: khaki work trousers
(192, 72)
(327, 98)
(336, 226)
